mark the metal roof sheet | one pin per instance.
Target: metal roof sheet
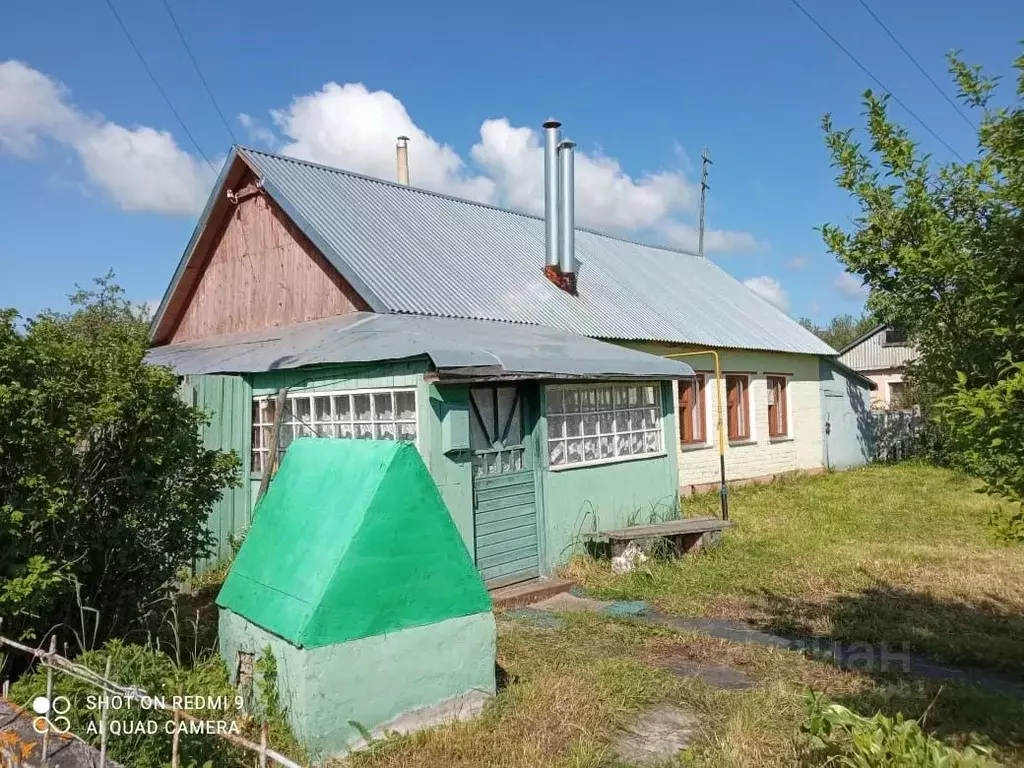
(451, 343)
(414, 251)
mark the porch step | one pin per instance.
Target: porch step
(528, 592)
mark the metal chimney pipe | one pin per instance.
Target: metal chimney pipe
(552, 137)
(566, 209)
(402, 151)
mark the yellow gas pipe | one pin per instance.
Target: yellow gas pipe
(724, 490)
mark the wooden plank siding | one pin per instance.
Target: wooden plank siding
(260, 272)
(227, 402)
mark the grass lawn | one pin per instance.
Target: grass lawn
(881, 554)
(887, 554)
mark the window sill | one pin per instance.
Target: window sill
(695, 446)
(603, 462)
(781, 439)
(742, 441)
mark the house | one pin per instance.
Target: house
(536, 365)
(882, 355)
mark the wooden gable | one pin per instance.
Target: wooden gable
(253, 268)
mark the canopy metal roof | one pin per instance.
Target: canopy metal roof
(455, 346)
(409, 250)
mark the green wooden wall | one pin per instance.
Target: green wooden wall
(227, 403)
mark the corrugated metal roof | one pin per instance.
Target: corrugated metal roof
(451, 343)
(414, 251)
(870, 352)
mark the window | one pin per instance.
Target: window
(894, 337)
(897, 395)
(691, 411)
(737, 403)
(778, 425)
(376, 415)
(608, 422)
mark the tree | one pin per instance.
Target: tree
(105, 485)
(841, 329)
(941, 247)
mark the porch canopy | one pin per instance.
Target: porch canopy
(458, 349)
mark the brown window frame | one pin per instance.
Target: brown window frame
(778, 406)
(737, 400)
(687, 435)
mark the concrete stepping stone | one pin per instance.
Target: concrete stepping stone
(715, 675)
(657, 735)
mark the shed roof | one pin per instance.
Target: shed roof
(351, 540)
(453, 345)
(409, 250)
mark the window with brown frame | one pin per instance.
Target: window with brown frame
(691, 411)
(737, 402)
(777, 418)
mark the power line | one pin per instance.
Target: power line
(917, 64)
(159, 87)
(206, 85)
(880, 84)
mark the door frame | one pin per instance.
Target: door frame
(531, 400)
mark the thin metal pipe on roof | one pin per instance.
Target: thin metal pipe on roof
(566, 209)
(552, 137)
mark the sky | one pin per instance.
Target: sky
(98, 174)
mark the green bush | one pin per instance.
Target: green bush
(105, 484)
(836, 736)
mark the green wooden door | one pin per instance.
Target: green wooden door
(504, 495)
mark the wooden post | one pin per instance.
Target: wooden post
(175, 739)
(275, 431)
(49, 699)
(264, 738)
(103, 717)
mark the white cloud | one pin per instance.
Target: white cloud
(770, 290)
(685, 236)
(797, 262)
(851, 286)
(256, 131)
(349, 126)
(352, 127)
(141, 168)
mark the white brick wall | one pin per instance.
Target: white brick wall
(761, 456)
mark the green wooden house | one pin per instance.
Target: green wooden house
(374, 310)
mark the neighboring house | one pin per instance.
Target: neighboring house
(881, 355)
(390, 312)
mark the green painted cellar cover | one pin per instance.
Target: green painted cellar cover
(351, 540)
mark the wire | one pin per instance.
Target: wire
(206, 85)
(880, 84)
(917, 64)
(159, 87)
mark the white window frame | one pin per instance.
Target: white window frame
(657, 430)
(311, 395)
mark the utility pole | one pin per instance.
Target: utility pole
(705, 161)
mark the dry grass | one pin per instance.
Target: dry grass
(571, 688)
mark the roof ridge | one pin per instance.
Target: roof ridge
(456, 199)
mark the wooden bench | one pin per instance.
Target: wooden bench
(686, 536)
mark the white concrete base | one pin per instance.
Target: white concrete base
(464, 707)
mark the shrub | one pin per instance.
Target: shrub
(834, 735)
